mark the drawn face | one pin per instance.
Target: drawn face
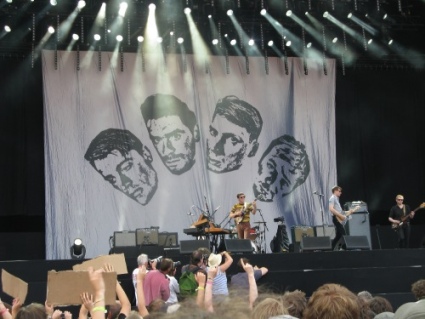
(174, 142)
(278, 174)
(131, 174)
(227, 145)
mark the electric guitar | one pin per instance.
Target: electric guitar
(238, 219)
(396, 226)
(347, 215)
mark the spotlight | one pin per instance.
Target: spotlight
(325, 14)
(229, 12)
(349, 15)
(306, 13)
(370, 41)
(81, 4)
(366, 15)
(140, 39)
(187, 10)
(171, 33)
(335, 40)
(152, 6)
(96, 37)
(225, 35)
(288, 13)
(390, 42)
(309, 45)
(233, 42)
(9, 1)
(209, 16)
(159, 40)
(180, 40)
(7, 28)
(288, 43)
(385, 16)
(251, 42)
(75, 36)
(215, 41)
(51, 29)
(123, 9)
(78, 250)
(263, 12)
(119, 38)
(270, 43)
(52, 2)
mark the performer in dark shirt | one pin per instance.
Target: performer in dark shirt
(400, 216)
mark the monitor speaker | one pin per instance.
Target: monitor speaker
(167, 239)
(124, 239)
(147, 236)
(316, 244)
(326, 230)
(355, 243)
(188, 246)
(299, 232)
(238, 246)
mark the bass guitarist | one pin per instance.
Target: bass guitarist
(240, 212)
(400, 214)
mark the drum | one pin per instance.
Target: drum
(253, 233)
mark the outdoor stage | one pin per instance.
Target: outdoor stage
(386, 272)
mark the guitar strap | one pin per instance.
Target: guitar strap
(404, 210)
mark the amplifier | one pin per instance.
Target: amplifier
(352, 205)
(299, 232)
(124, 239)
(167, 239)
(147, 236)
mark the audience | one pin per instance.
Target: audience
(240, 280)
(295, 302)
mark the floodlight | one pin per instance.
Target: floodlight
(78, 250)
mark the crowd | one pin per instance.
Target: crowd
(205, 291)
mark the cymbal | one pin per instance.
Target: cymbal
(260, 223)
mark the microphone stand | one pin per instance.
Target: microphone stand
(265, 226)
(321, 198)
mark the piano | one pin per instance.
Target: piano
(194, 232)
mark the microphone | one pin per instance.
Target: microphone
(218, 207)
(206, 204)
(317, 193)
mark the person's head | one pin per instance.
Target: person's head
(205, 254)
(332, 301)
(267, 308)
(295, 301)
(166, 266)
(336, 190)
(142, 259)
(399, 199)
(121, 158)
(197, 258)
(283, 167)
(173, 130)
(418, 289)
(32, 311)
(380, 304)
(365, 295)
(239, 264)
(233, 134)
(241, 198)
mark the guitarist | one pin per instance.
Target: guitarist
(400, 212)
(337, 214)
(241, 213)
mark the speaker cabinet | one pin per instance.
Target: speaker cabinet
(316, 244)
(359, 225)
(124, 239)
(166, 239)
(326, 230)
(299, 232)
(355, 243)
(147, 236)
(188, 246)
(238, 246)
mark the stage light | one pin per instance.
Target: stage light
(288, 43)
(140, 39)
(97, 37)
(349, 15)
(225, 35)
(53, 2)
(233, 42)
(78, 250)
(370, 41)
(385, 16)
(180, 40)
(119, 38)
(51, 29)
(335, 40)
(215, 41)
(263, 12)
(270, 43)
(159, 40)
(325, 14)
(123, 9)
(7, 28)
(288, 13)
(75, 36)
(81, 4)
(251, 42)
(209, 16)
(187, 10)
(390, 42)
(9, 1)
(229, 12)
(152, 6)
(309, 45)
(306, 13)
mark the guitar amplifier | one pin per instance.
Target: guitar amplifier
(352, 205)
(167, 239)
(299, 232)
(147, 236)
(124, 239)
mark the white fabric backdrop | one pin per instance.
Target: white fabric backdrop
(81, 104)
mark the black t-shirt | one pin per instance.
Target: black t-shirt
(397, 213)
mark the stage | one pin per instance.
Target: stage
(385, 272)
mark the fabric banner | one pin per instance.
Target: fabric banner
(134, 141)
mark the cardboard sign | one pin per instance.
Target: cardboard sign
(13, 286)
(116, 260)
(65, 287)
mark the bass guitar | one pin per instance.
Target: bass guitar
(347, 215)
(238, 219)
(396, 226)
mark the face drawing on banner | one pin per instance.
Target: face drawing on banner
(122, 160)
(173, 130)
(283, 167)
(233, 134)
